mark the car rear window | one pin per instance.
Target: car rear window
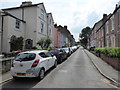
(54, 51)
(25, 57)
(65, 49)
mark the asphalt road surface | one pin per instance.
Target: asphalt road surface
(75, 72)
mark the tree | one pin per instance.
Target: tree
(44, 42)
(47, 42)
(16, 43)
(41, 43)
(84, 36)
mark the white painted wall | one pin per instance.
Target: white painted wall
(0, 31)
(5, 35)
(50, 22)
(28, 30)
(30, 16)
(40, 20)
(9, 30)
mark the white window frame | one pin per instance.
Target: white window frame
(50, 31)
(107, 30)
(42, 13)
(50, 21)
(42, 27)
(107, 41)
(113, 40)
(17, 24)
(112, 23)
(99, 44)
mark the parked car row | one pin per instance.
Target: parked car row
(60, 54)
(35, 63)
(1, 56)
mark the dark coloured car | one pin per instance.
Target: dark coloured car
(60, 54)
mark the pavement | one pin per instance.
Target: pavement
(105, 69)
(5, 77)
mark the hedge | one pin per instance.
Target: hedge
(109, 51)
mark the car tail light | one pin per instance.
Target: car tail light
(58, 54)
(35, 63)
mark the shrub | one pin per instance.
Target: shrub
(16, 43)
(109, 51)
(34, 48)
(44, 42)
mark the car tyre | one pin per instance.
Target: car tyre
(41, 74)
(61, 60)
(15, 78)
(55, 64)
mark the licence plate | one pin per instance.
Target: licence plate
(21, 74)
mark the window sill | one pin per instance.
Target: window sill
(41, 33)
(17, 29)
(112, 30)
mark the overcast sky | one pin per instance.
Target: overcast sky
(76, 14)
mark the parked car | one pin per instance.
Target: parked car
(33, 64)
(1, 56)
(74, 48)
(60, 54)
(68, 51)
(71, 49)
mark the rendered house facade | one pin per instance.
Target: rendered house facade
(0, 28)
(62, 37)
(30, 22)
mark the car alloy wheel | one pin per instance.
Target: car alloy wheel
(55, 64)
(42, 74)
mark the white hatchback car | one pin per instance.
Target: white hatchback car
(33, 64)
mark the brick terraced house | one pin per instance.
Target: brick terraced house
(106, 32)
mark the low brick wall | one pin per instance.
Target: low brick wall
(114, 62)
(5, 64)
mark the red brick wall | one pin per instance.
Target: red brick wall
(114, 62)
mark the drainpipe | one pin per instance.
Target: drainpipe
(24, 29)
(119, 27)
(47, 25)
(22, 13)
(104, 32)
(2, 34)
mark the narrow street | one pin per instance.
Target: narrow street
(76, 72)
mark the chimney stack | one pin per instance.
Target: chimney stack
(55, 25)
(26, 3)
(104, 15)
(65, 27)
